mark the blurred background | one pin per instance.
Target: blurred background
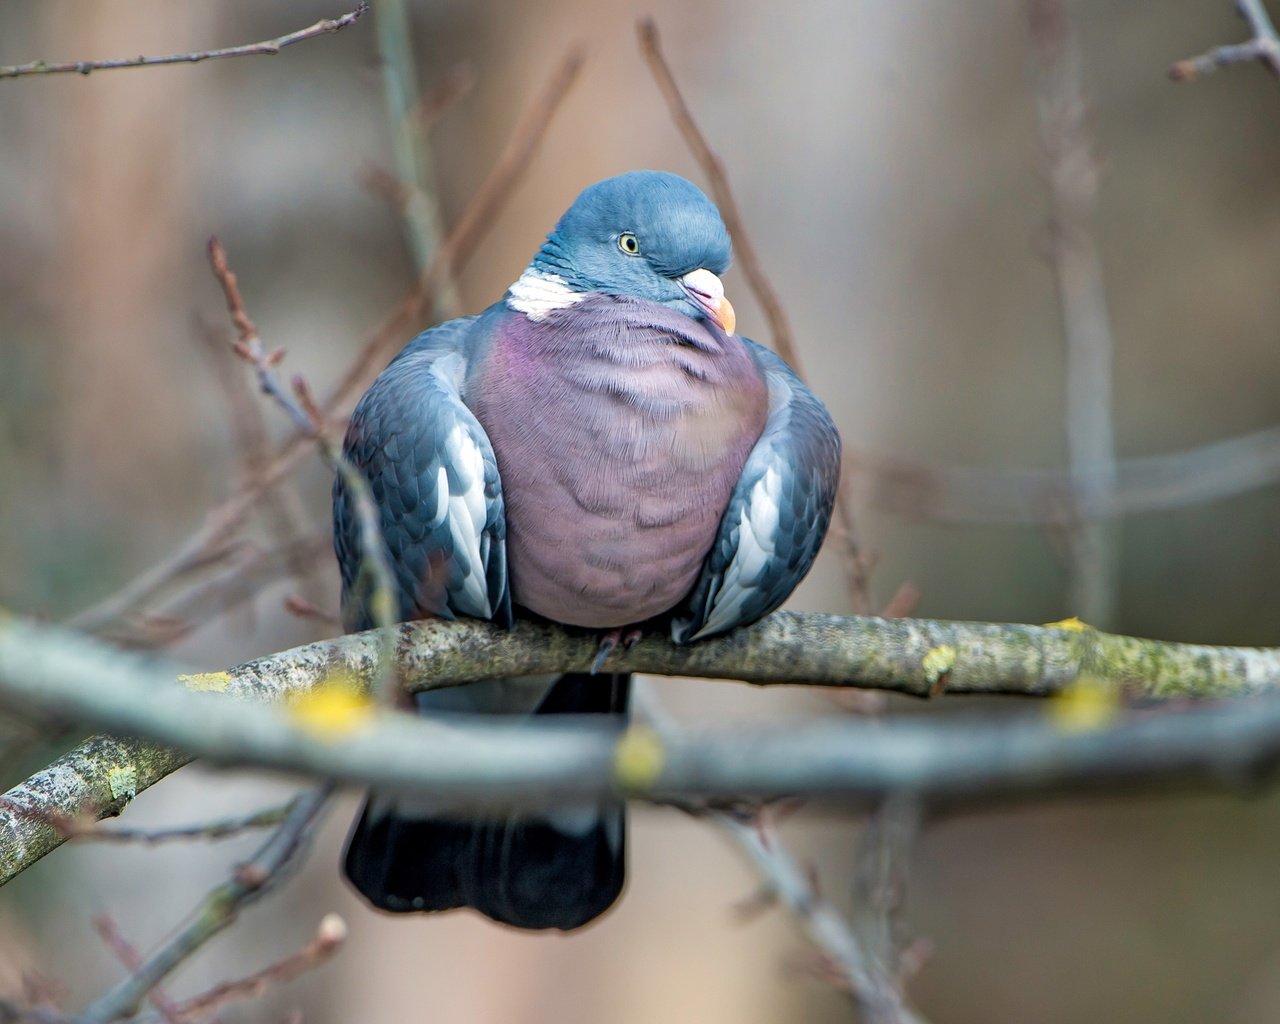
(888, 162)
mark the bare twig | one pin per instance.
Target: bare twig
(444, 95)
(875, 990)
(787, 882)
(269, 46)
(1028, 497)
(1093, 546)
(1264, 47)
(132, 960)
(375, 568)
(81, 828)
(209, 546)
(211, 543)
(218, 910)
(855, 565)
(880, 875)
(328, 939)
(282, 505)
(203, 602)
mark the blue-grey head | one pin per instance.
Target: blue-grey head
(645, 234)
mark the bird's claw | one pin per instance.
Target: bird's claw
(609, 643)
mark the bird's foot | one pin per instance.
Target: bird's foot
(609, 643)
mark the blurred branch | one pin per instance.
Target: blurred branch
(284, 513)
(881, 863)
(132, 961)
(874, 989)
(1264, 47)
(855, 564)
(244, 576)
(485, 205)
(47, 670)
(80, 828)
(441, 97)
(421, 210)
(218, 909)
(1092, 545)
(269, 46)
(1028, 497)
(328, 939)
(786, 881)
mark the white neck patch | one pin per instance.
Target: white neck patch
(537, 293)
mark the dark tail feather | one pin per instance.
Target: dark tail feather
(558, 869)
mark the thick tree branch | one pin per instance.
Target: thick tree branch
(268, 46)
(50, 671)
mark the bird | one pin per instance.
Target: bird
(598, 449)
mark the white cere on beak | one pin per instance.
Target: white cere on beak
(706, 291)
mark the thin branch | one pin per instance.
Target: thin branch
(442, 97)
(874, 991)
(855, 564)
(880, 872)
(132, 961)
(965, 495)
(375, 566)
(1264, 47)
(47, 670)
(1093, 546)
(219, 909)
(212, 544)
(283, 508)
(786, 881)
(485, 205)
(269, 46)
(202, 603)
(82, 829)
(328, 939)
(211, 541)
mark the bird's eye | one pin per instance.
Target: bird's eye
(629, 244)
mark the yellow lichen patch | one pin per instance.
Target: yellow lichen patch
(212, 682)
(123, 781)
(334, 708)
(1086, 705)
(937, 662)
(1072, 624)
(638, 758)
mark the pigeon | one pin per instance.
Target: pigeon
(598, 449)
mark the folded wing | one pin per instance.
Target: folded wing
(777, 516)
(434, 481)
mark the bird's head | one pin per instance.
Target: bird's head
(646, 235)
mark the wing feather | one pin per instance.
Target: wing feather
(777, 515)
(435, 482)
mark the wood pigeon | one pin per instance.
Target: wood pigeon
(600, 449)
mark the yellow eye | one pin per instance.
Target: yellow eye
(629, 244)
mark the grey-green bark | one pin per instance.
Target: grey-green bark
(53, 671)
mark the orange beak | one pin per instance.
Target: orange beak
(706, 291)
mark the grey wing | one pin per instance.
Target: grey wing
(777, 516)
(434, 480)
